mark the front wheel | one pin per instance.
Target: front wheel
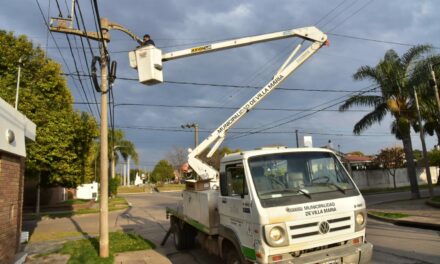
(232, 256)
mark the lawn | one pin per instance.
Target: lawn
(385, 190)
(171, 187)
(115, 203)
(436, 199)
(87, 250)
(134, 189)
(389, 215)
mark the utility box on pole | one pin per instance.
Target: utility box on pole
(148, 61)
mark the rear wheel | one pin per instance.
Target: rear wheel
(184, 234)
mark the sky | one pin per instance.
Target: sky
(203, 89)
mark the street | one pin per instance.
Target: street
(392, 244)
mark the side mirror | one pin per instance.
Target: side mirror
(223, 184)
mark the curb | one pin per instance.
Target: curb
(402, 222)
(433, 204)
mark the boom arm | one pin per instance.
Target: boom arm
(153, 75)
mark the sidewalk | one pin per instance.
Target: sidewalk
(78, 227)
(421, 214)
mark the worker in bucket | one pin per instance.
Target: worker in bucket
(146, 41)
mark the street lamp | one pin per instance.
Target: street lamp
(196, 132)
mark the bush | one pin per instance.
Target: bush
(113, 186)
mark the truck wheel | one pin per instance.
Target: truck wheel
(232, 257)
(177, 234)
(184, 234)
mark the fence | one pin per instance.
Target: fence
(367, 179)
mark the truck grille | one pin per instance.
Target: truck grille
(321, 227)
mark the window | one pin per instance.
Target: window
(235, 180)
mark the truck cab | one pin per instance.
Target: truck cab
(281, 205)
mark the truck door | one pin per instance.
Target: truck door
(235, 206)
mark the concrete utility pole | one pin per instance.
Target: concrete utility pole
(196, 132)
(103, 198)
(422, 138)
(297, 140)
(61, 25)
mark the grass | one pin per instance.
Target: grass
(171, 187)
(436, 199)
(115, 203)
(87, 250)
(75, 201)
(389, 215)
(45, 236)
(133, 189)
(398, 189)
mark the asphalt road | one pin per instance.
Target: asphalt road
(392, 244)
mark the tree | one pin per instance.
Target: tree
(395, 80)
(120, 146)
(177, 156)
(391, 159)
(162, 172)
(424, 84)
(214, 161)
(63, 136)
(357, 153)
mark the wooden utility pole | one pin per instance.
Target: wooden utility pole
(422, 138)
(62, 25)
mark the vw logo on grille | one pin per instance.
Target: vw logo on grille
(324, 227)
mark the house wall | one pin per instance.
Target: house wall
(368, 179)
(11, 202)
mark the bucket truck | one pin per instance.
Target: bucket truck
(270, 205)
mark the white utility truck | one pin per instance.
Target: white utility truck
(271, 205)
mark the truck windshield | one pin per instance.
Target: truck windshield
(306, 174)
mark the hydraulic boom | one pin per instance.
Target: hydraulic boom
(148, 60)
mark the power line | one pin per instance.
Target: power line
(375, 40)
(227, 85)
(222, 107)
(84, 52)
(350, 16)
(77, 70)
(232, 131)
(331, 11)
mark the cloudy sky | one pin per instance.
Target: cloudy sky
(206, 89)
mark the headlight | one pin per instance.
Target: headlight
(360, 219)
(276, 235)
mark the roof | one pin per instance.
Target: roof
(356, 158)
(270, 150)
(14, 128)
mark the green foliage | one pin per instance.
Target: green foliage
(357, 153)
(163, 171)
(418, 155)
(391, 158)
(61, 153)
(394, 77)
(434, 157)
(113, 185)
(87, 250)
(389, 215)
(214, 161)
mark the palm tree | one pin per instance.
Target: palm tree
(121, 146)
(393, 76)
(428, 104)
